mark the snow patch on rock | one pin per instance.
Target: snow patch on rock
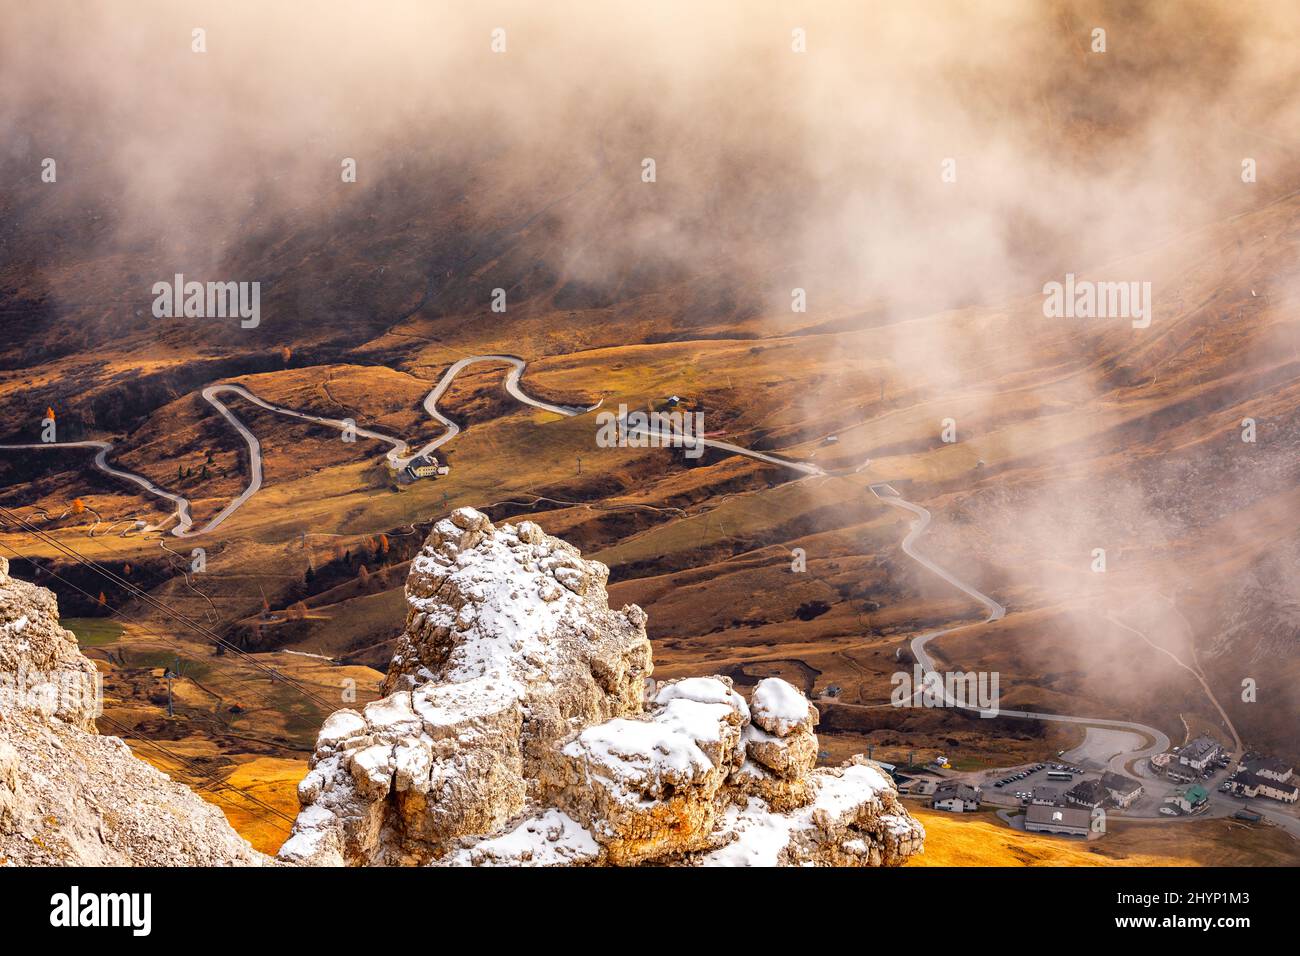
(779, 708)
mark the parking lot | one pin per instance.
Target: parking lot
(1025, 778)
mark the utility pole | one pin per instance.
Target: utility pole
(171, 674)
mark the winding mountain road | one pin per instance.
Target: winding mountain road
(182, 512)
(1160, 741)
(681, 440)
(512, 386)
(398, 456)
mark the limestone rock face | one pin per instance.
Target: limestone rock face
(44, 669)
(510, 647)
(520, 727)
(652, 786)
(69, 796)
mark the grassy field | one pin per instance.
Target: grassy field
(272, 781)
(94, 631)
(980, 839)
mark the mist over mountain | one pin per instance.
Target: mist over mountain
(832, 230)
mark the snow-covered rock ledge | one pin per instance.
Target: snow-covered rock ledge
(521, 727)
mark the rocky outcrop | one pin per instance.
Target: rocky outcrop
(67, 794)
(520, 727)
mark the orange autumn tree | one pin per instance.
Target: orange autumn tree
(78, 506)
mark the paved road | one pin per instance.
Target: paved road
(512, 386)
(212, 393)
(995, 612)
(1160, 742)
(693, 441)
(182, 512)
(398, 455)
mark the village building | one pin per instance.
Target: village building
(1065, 821)
(1249, 784)
(1088, 794)
(1121, 789)
(1189, 800)
(1046, 797)
(1200, 753)
(1269, 768)
(425, 466)
(956, 797)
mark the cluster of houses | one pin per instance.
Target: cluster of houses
(1110, 789)
(1070, 812)
(1256, 776)
(1050, 810)
(1064, 813)
(1261, 776)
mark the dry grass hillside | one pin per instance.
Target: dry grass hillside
(925, 306)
